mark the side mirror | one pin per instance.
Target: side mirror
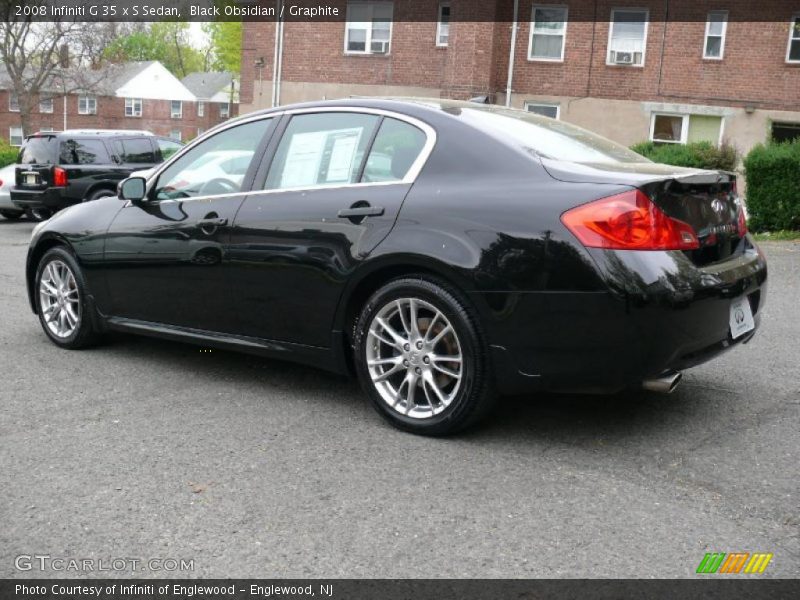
(133, 189)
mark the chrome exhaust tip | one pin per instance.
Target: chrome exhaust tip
(665, 384)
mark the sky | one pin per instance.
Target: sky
(196, 32)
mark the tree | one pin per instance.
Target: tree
(36, 57)
(165, 42)
(226, 45)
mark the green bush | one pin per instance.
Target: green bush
(700, 155)
(772, 173)
(8, 154)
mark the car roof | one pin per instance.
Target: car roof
(91, 132)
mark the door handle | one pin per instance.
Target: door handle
(361, 211)
(212, 222)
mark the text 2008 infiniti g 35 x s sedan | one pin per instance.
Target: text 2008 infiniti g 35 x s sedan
(443, 251)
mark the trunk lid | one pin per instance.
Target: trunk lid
(706, 200)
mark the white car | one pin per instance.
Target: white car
(7, 209)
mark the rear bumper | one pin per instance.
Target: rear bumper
(659, 313)
(51, 198)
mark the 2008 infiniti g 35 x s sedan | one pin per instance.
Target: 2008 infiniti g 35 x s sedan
(443, 251)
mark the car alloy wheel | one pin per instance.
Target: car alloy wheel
(414, 358)
(59, 299)
(421, 357)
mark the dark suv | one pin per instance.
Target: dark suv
(58, 169)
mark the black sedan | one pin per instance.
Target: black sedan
(445, 252)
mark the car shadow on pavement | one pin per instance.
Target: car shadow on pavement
(542, 416)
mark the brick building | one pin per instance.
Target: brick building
(136, 95)
(668, 70)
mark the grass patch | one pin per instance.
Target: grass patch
(782, 235)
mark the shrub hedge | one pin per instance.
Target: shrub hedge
(8, 154)
(772, 173)
(700, 155)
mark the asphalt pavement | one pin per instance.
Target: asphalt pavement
(145, 449)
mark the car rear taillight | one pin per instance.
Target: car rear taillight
(59, 177)
(628, 221)
(741, 223)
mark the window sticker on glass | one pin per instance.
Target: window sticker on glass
(321, 157)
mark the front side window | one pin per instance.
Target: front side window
(548, 33)
(208, 169)
(627, 37)
(224, 110)
(15, 136)
(13, 102)
(83, 152)
(443, 26)
(46, 105)
(395, 150)
(324, 149)
(793, 52)
(546, 110)
(369, 27)
(133, 107)
(201, 109)
(716, 26)
(135, 151)
(87, 105)
(176, 109)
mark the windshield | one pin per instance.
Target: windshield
(543, 136)
(39, 150)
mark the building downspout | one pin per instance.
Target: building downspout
(511, 54)
(278, 56)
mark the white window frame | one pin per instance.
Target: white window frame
(563, 33)
(131, 103)
(227, 113)
(88, 100)
(439, 25)
(724, 14)
(201, 109)
(11, 135)
(368, 44)
(611, 33)
(684, 127)
(172, 113)
(548, 104)
(46, 129)
(13, 106)
(52, 106)
(173, 137)
(792, 39)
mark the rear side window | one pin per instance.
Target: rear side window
(323, 149)
(39, 150)
(136, 151)
(83, 152)
(395, 150)
(168, 147)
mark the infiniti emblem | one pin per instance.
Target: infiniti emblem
(718, 205)
(414, 358)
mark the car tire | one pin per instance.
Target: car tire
(38, 214)
(433, 378)
(12, 215)
(97, 194)
(62, 300)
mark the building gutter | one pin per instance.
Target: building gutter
(511, 54)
